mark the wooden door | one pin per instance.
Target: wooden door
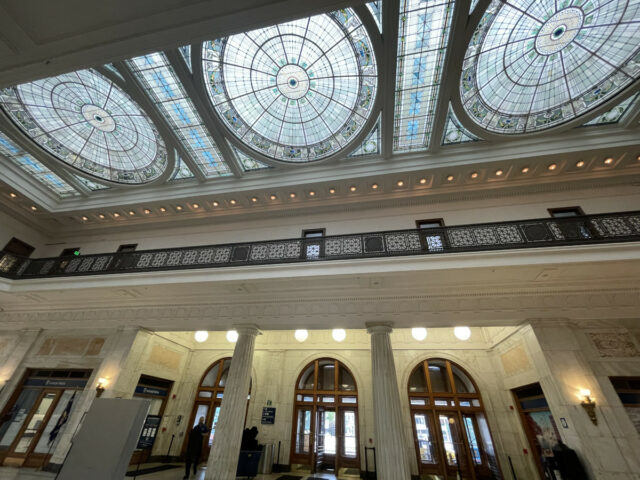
(347, 438)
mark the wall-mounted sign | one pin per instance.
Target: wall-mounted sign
(149, 432)
(56, 382)
(156, 392)
(268, 415)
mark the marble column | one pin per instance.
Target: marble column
(223, 459)
(392, 460)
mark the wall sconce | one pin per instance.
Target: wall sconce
(100, 387)
(589, 405)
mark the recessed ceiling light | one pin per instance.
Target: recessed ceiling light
(423, 181)
(34, 208)
(638, 158)
(400, 183)
(608, 161)
(162, 209)
(254, 199)
(292, 195)
(353, 188)
(450, 178)
(462, 333)
(338, 334)
(499, 173)
(374, 186)
(474, 175)
(332, 191)
(552, 166)
(201, 336)
(101, 216)
(147, 211)
(301, 335)
(273, 197)
(215, 204)
(131, 212)
(419, 333)
(312, 193)
(179, 207)
(13, 195)
(116, 214)
(580, 164)
(525, 169)
(85, 218)
(232, 202)
(195, 205)
(232, 336)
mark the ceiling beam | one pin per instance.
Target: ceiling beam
(390, 12)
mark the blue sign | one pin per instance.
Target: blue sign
(268, 415)
(56, 382)
(156, 392)
(149, 432)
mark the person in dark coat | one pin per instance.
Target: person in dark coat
(194, 446)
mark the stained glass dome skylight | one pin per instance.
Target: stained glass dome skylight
(88, 122)
(532, 65)
(298, 91)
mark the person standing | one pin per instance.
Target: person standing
(194, 446)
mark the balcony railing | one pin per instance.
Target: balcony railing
(547, 232)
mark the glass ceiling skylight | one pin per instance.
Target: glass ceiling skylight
(422, 40)
(454, 132)
(532, 65)
(36, 169)
(157, 76)
(298, 91)
(88, 122)
(615, 114)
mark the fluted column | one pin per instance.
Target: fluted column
(223, 459)
(392, 460)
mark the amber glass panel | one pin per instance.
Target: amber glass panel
(439, 376)
(346, 381)
(211, 376)
(326, 375)
(418, 381)
(306, 380)
(462, 381)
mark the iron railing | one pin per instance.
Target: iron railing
(546, 232)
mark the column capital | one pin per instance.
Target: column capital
(379, 327)
(247, 329)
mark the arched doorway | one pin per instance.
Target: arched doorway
(450, 429)
(325, 418)
(208, 399)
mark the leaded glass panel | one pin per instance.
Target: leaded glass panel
(454, 132)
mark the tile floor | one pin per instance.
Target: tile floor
(174, 474)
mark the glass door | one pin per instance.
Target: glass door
(347, 439)
(456, 461)
(326, 440)
(426, 445)
(31, 429)
(303, 439)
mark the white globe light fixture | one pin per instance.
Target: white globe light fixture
(232, 336)
(338, 334)
(462, 333)
(301, 335)
(419, 333)
(201, 336)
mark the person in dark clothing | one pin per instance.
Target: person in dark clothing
(567, 463)
(194, 446)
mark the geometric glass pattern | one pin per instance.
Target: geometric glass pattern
(88, 122)
(248, 164)
(376, 10)
(160, 81)
(91, 185)
(534, 65)
(422, 41)
(186, 54)
(615, 114)
(36, 169)
(181, 170)
(454, 132)
(298, 91)
(371, 143)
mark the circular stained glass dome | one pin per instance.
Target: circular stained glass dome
(88, 122)
(298, 91)
(532, 65)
